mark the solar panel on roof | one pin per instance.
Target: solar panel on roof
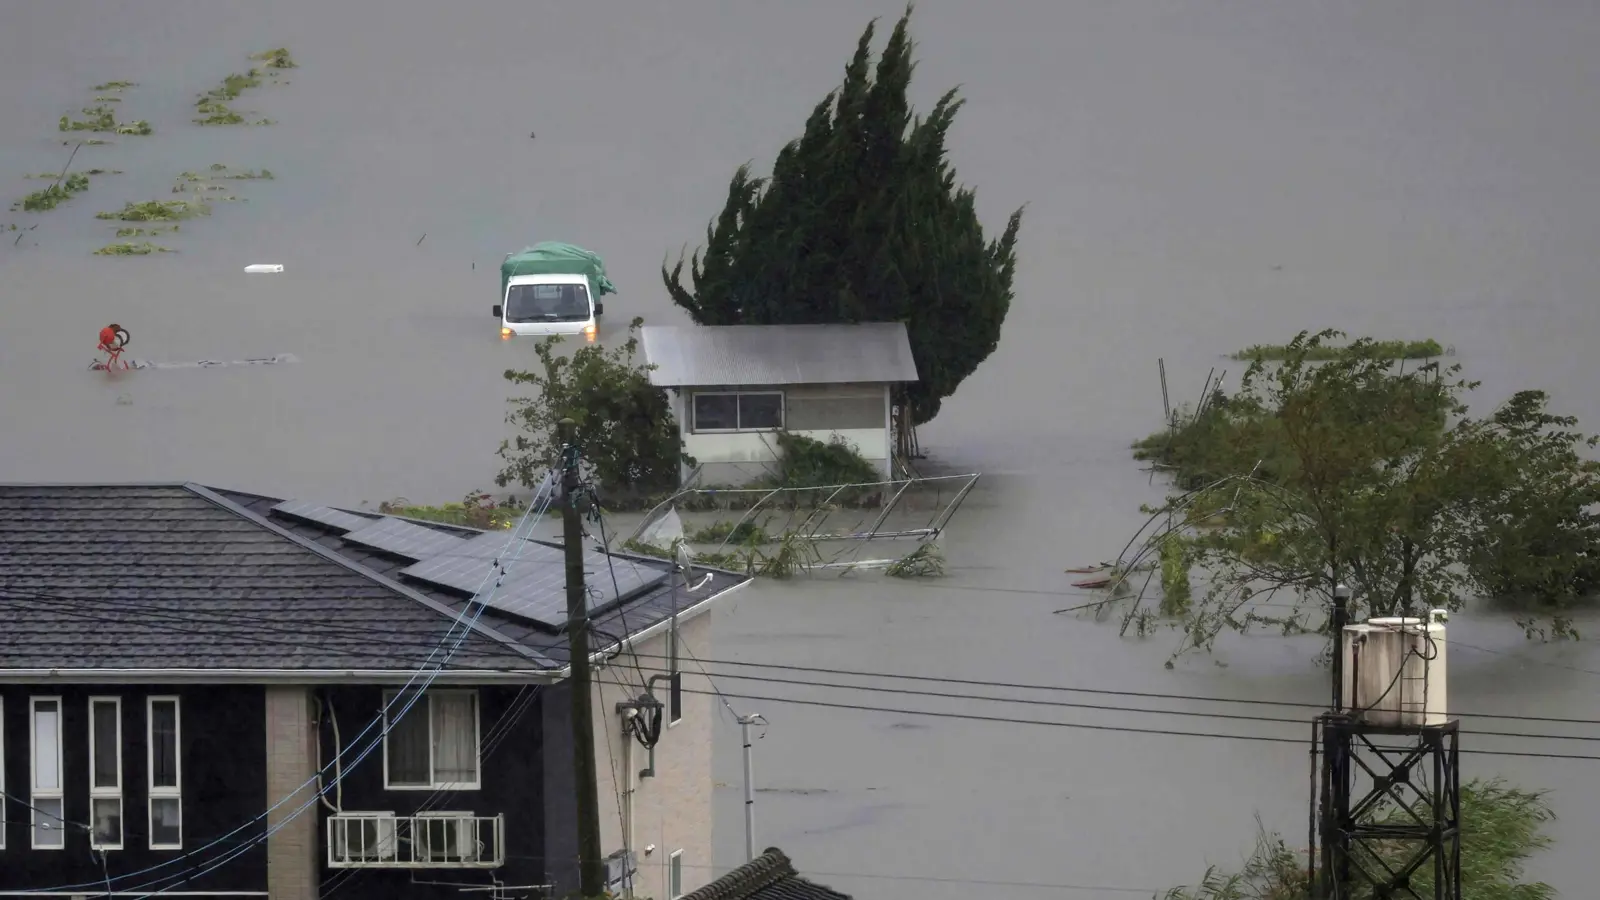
(403, 538)
(321, 515)
(460, 571)
(534, 586)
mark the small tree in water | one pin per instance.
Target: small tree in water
(624, 423)
(1352, 468)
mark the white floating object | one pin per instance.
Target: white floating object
(263, 269)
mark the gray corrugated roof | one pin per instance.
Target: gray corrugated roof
(770, 876)
(691, 355)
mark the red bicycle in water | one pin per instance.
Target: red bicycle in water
(113, 340)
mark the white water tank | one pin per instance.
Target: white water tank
(1394, 670)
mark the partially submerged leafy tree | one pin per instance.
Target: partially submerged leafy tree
(624, 423)
(1357, 470)
(862, 221)
(1500, 828)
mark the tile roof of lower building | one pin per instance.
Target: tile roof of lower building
(179, 576)
(770, 876)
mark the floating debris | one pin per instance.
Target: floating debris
(156, 211)
(54, 195)
(144, 248)
(99, 365)
(263, 268)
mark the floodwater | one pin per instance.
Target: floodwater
(1199, 176)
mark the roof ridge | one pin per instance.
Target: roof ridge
(772, 866)
(212, 496)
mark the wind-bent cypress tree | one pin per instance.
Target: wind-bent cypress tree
(862, 221)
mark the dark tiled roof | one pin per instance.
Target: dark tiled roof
(181, 576)
(770, 876)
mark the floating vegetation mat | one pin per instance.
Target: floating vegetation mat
(103, 118)
(143, 248)
(149, 231)
(156, 211)
(52, 196)
(214, 106)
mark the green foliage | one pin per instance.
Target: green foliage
(624, 424)
(276, 59)
(731, 533)
(52, 196)
(1356, 468)
(142, 248)
(927, 561)
(104, 119)
(113, 86)
(1175, 590)
(476, 510)
(808, 463)
(1501, 827)
(862, 221)
(156, 211)
(1427, 349)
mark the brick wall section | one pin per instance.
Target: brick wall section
(291, 761)
(673, 810)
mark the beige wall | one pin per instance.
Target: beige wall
(673, 809)
(292, 853)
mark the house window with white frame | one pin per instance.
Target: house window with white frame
(725, 411)
(675, 875)
(45, 769)
(433, 745)
(165, 762)
(105, 773)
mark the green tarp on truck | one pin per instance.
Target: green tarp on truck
(556, 258)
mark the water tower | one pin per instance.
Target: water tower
(1389, 787)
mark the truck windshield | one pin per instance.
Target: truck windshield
(547, 303)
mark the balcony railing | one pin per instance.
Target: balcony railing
(435, 840)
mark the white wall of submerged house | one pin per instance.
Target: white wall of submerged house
(858, 414)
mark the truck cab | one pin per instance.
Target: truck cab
(548, 304)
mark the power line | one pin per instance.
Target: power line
(96, 611)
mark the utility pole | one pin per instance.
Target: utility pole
(591, 865)
(749, 785)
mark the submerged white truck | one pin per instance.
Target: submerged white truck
(552, 288)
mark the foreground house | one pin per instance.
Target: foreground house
(734, 387)
(770, 876)
(178, 663)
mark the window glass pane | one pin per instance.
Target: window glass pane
(407, 746)
(107, 816)
(716, 411)
(164, 744)
(48, 828)
(675, 877)
(455, 739)
(166, 821)
(760, 411)
(46, 747)
(107, 739)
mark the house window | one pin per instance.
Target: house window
(732, 411)
(166, 774)
(105, 773)
(434, 745)
(675, 875)
(49, 825)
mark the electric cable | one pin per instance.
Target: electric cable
(497, 573)
(1143, 695)
(382, 718)
(502, 727)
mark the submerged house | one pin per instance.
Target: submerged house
(735, 387)
(210, 693)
